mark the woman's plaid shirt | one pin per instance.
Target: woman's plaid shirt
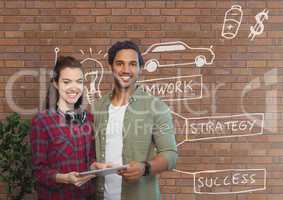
(58, 147)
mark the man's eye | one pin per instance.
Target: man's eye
(134, 64)
(66, 82)
(80, 81)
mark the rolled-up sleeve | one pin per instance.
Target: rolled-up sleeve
(164, 133)
(39, 143)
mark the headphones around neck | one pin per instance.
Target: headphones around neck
(72, 117)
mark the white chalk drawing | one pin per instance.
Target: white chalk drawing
(95, 76)
(208, 128)
(204, 56)
(174, 88)
(226, 126)
(93, 91)
(56, 51)
(258, 28)
(181, 126)
(228, 181)
(232, 21)
(225, 181)
(99, 52)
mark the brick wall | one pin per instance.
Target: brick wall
(244, 78)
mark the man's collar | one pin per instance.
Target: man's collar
(137, 92)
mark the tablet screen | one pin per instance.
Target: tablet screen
(103, 172)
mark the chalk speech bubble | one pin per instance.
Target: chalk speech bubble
(229, 181)
(241, 125)
(174, 88)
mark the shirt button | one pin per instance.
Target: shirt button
(102, 155)
(102, 188)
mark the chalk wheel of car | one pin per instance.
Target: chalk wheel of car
(151, 65)
(200, 60)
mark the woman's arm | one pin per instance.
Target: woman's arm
(39, 143)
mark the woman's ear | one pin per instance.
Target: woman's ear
(55, 84)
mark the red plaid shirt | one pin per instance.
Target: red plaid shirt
(61, 148)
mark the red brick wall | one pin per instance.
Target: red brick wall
(245, 76)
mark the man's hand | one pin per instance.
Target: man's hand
(134, 171)
(98, 165)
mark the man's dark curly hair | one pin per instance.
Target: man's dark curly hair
(118, 46)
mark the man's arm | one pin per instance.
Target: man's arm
(164, 140)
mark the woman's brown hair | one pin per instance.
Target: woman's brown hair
(52, 96)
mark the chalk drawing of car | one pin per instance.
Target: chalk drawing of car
(198, 56)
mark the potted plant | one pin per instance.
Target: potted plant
(15, 157)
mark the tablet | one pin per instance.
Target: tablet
(103, 172)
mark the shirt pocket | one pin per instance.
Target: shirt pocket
(61, 148)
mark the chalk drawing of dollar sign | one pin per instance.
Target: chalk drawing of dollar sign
(258, 28)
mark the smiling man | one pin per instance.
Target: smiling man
(132, 127)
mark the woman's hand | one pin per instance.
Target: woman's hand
(73, 178)
(78, 180)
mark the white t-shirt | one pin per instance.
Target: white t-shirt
(113, 151)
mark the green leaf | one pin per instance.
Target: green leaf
(15, 157)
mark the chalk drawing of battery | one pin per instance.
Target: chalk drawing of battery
(179, 53)
(232, 21)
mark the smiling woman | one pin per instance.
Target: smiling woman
(61, 145)
(66, 82)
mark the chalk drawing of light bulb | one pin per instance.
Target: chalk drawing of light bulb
(94, 76)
